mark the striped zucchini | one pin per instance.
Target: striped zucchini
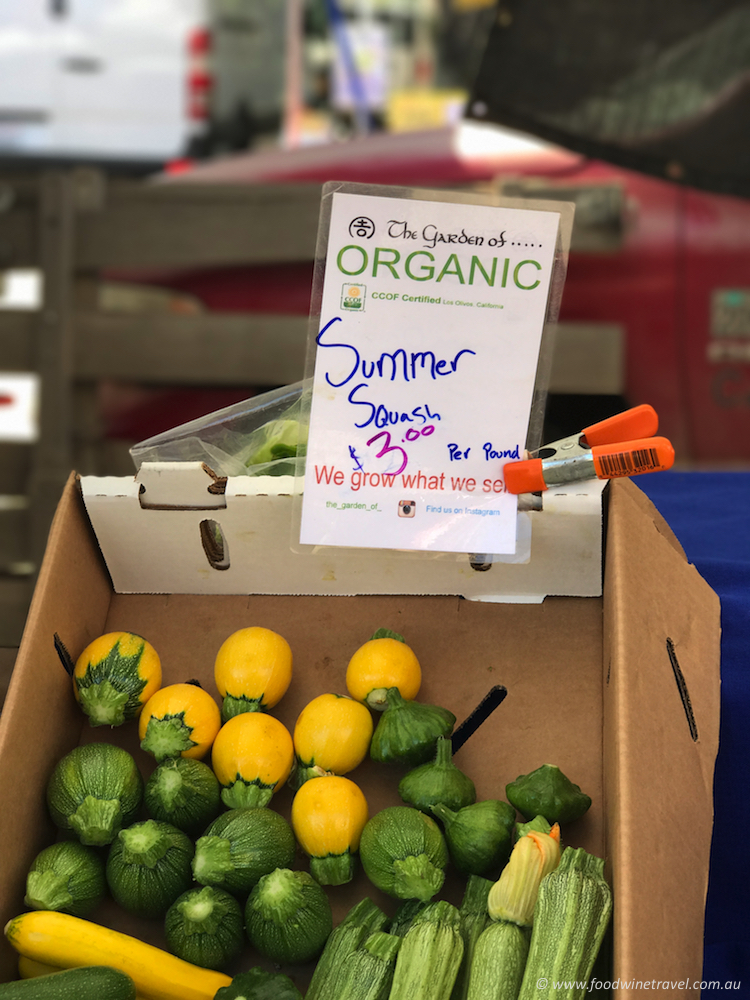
(572, 913)
(498, 962)
(367, 973)
(430, 955)
(404, 916)
(474, 919)
(361, 921)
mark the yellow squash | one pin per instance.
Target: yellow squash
(381, 663)
(67, 942)
(29, 968)
(332, 735)
(252, 670)
(252, 757)
(328, 816)
(180, 720)
(114, 677)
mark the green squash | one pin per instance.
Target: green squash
(288, 917)
(438, 782)
(184, 792)
(148, 867)
(257, 984)
(404, 853)
(538, 823)
(93, 982)
(242, 845)
(407, 730)
(362, 920)
(67, 877)
(547, 792)
(205, 927)
(480, 836)
(94, 791)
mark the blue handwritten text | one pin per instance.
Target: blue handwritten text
(491, 452)
(380, 416)
(390, 365)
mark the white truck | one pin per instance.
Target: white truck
(137, 81)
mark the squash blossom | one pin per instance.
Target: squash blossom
(513, 896)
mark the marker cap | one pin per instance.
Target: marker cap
(524, 477)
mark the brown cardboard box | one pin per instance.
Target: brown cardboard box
(622, 692)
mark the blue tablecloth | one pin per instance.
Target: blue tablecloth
(709, 513)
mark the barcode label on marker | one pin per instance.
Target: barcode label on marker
(627, 463)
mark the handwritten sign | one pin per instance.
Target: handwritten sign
(431, 322)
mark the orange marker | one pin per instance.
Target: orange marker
(601, 451)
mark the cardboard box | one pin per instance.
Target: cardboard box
(180, 508)
(622, 692)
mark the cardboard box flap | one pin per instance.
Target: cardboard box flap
(40, 720)
(661, 724)
(169, 530)
(181, 485)
(642, 502)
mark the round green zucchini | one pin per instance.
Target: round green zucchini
(288, 917)
(205, 926)
(185, 793)
(94, 791)
(68, 877)
(242, 845)
(148, 867)
(404, 853)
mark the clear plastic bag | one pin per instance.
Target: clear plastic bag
(262, 436)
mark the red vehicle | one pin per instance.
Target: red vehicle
(669, 264)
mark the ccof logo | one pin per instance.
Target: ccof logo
(362, 228)
(353, 297)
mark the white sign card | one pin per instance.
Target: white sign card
(431, 322)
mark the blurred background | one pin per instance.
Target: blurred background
(161, 163)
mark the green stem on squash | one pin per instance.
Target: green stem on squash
(204, 911)
(144, 844)
(47, 891)
(279, 896)
(237, 705)
(334, 869)
(167, 737)
(243, 794)
(212, 861)
(417, 878)
(96, 821)
(103, 703)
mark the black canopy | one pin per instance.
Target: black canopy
(659, 86)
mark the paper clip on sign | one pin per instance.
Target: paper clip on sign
(623, 445)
